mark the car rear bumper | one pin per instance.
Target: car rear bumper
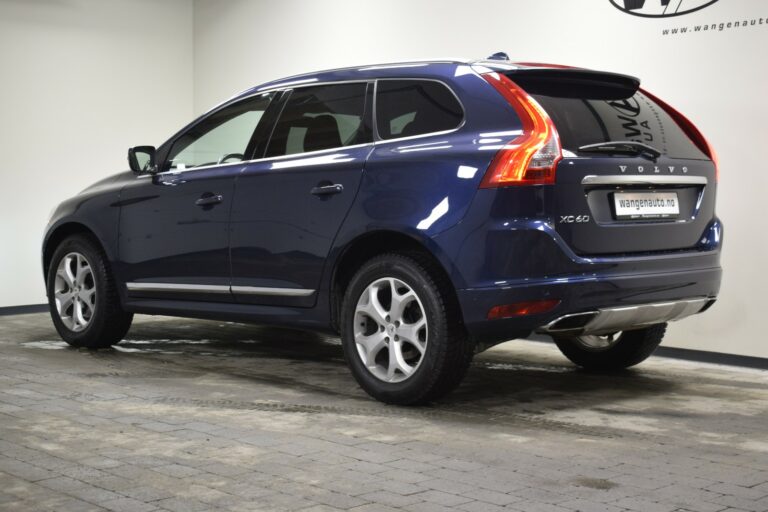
(609, 320)
(585, 293)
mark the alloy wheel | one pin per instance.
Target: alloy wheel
(598, 342)
(75, 291)
(390, 329)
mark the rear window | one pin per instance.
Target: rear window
(586, 118)
(405, 108)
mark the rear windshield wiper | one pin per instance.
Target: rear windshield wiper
(622, 147)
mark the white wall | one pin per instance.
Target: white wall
(716, 78)
(80, 81)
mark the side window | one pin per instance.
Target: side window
(320, 117)
(221, 138)
(414, 107)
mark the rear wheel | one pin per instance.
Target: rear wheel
(82, 295)
(613, 351)
(401, 331)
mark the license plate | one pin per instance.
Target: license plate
(646, 205)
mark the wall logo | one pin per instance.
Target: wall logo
(661, 8)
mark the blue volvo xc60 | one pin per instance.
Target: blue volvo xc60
(424, 211)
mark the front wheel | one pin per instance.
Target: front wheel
(401, 331)
(82, 295)
(613, 351)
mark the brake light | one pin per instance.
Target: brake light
(530, 158)
(543, 65)
(522, 309)
(689, 129)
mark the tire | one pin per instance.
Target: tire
(628, 349)
(424, 296)
(80, 273)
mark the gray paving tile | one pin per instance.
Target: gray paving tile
(225, 416)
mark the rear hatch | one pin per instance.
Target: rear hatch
(633, 178)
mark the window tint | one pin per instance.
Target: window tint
(582, 121)
(413, 107)
(223, 137)
(320, 117)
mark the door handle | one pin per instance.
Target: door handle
(325, 190)
(208, 200)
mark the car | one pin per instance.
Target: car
(424, 211)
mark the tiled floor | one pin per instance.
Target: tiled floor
(193, 415)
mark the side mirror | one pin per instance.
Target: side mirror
(142, 159)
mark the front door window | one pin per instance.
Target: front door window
(221, 138)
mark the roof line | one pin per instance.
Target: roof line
(290, 78)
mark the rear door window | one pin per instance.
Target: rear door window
(321, 117)
(405, 108)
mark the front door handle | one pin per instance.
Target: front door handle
(209, 200)
(325, 190)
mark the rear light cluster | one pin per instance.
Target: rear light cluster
(689, 129)
(531, 158)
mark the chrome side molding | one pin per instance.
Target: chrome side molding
(261, 290)
(208, 288)
(609, 320)
(173, 287)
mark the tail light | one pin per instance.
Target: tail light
(689, 129)
(531, 158)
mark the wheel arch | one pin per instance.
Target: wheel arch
(59, 234)
(370, 244)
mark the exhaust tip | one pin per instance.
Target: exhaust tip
(709, 304)
(623, 318)
(572, 322)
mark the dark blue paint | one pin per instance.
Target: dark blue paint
(498, 246)
(281, 234)
(165, 237)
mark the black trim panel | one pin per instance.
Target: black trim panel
(24, 310)
(703, 356)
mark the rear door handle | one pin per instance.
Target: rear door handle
(325, 190)
(208, 200)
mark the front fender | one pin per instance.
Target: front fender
(95, 210)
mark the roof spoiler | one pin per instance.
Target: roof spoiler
(574, 82)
